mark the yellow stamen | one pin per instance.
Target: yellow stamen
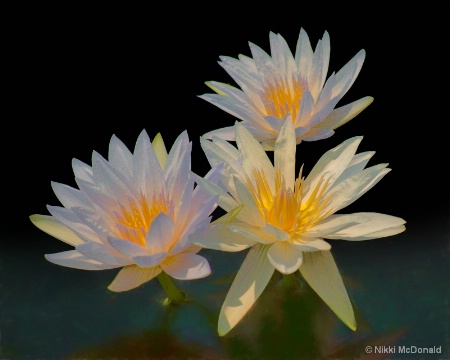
(287, 208)
(280, 99)
(134, 219)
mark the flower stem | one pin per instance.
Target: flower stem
(289, 281)
(174, 295)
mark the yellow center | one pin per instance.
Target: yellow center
(288, 209)
(135, 219)
(280, 99)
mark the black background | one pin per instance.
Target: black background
(74, 75)
(77, 75)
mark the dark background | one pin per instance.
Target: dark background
(76, 75)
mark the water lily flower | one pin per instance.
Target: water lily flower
(283, 85)
(286, 221)
(133, 211)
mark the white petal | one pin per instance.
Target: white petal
(352, 188)
(103, 253)
(132, 276)
(250, 281)
(127, 248)
(68, 196)
(174, 154)
(224, 200)
(53, 227)
(250, 212)
(285, 257)
(363, 226)
(303, 54)
(253, 156)
(343, 114)
(332, 164)
(284, 155)
(82, 171)
(180, 174)
(225, 133)
(111, 181)
(186, 266)
(147, 173)
(322, 274)
(160, 235)
(347, 75)
(74, 259)
(219, 237)
(252, 233)
(74, 223)
(120, 157)
(160, 150)
(309, 244)
(274, 232)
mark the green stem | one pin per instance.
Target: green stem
(289, 280)
(174, 295)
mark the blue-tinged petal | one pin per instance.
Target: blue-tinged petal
(160, 235)
(120, 157)
(132, 276)
(127, 248)
(147, 173)
(148, 261)
(82, 171)
(69, 196)
(74, 259)
(103, 253)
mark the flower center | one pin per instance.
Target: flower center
(281, 98)
(288, 209)
(134, 219)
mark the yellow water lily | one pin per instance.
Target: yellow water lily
(285, 220)
(133, 211)
(282, 85)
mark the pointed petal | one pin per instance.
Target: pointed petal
(284, 154)
(74, 259)
(127, 248)
(69, 196)
(120, 157)
(53, 227)
(147, 173)
(322, 274)
(160, 150)
(132, 276)
(253, 156)
(285, 257)
(186, 266)
(309, 244)
(249, 283)
(360, 226)
(345, 113)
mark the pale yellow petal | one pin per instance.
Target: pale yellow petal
(132, 276)
(250, 281)
(284, 155)
(160, 150)
(322, 274)
(51, 226)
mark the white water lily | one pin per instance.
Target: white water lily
(285, 220)
(283, 85)
(133, 211)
